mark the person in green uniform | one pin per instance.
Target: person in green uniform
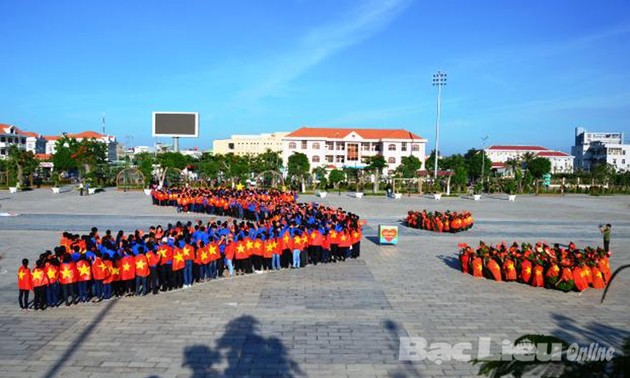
(605, 230)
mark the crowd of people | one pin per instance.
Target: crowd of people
(274, 232)
(449, 221)
(554, 267)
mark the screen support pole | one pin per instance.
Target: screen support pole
(175, 144)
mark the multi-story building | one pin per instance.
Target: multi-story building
(10, 136)
(249, 144)
(560, 162)
(338, 148)
(109, 140)
(596, 148)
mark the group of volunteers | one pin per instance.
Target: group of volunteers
(449, 221)
(554, 267)
(275, 232)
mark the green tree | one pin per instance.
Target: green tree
(144, 162)
(475, 160)
(319, 173)
(23, 162)
(63, 159)
(299, 167)
(173, 160)
(376, 164)
(430, 163)
(409, 166)
(335, 177)
(457, 164)
(267, 161)
(539, 166)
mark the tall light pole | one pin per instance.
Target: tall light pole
(439, 80)
(483, 156)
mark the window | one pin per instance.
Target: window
(3, 139)
(403, 146)
(304, 145)
(315, 159)
(353, 152)
(391, 147)
(329, 158)
(341, 146)
(377, 148)
(3, 152)
(330, 146)
(230, 146)
(292, 145)
(391, 160)
(339, 159)
(365, 146)
(23, 141)
(415, 147)
(316, 146)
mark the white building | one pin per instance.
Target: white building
(10, 136)
(249, 144)
(338, 148)
(595, 148)
(560, 162)
(109, 140)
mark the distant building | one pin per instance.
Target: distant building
(24, 140)
(596, 148)
(337, 148)
(249, 144)
(560, 162)
(109, 140)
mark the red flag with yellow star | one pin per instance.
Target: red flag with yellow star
(25, 281)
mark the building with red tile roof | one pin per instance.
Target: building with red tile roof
(560, 162)
(349, 147)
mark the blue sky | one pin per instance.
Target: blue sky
(520, 72)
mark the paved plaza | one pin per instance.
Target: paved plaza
(335, 320)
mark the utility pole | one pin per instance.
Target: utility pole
(483, 156)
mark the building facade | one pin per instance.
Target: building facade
(249, 144)
(109, 140)
(338, 148)
(596, 148)
(10, 136)
(560, 162)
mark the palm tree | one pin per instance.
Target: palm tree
(514, 165)
(376, 164)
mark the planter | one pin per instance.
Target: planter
(476, 197)
(321, 194)
(56, 190)
(91, 190)
(13, 189)
(147, 192)
(437, 196)
(357, 194)
(512, 198)
(397, 195)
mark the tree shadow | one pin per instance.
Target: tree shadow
(451, 262)
(594, 331)
(408, 368)
(247, 353)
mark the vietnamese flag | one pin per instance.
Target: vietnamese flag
(526, 271)
(509, 270)
(213, 252)
(142, 265)
(463, 260)
(604, 267)
(494, 269)
(477, 267)
(85, 272)
(578, 279)
(598, 278)
(538, 279)
(127, 268)
(553, 274)
(178, 260)
(25, 281)
(588, 275)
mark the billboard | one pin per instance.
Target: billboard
(176, 124)
(387, 234)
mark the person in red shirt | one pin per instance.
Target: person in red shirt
(67, 278)
(85, 275)
(128, 273)
(40, 281)
(142, 272)
(153, 259)
(25, 284)
(52, 272)
(98, 275)
(108, 278)
(165, 252)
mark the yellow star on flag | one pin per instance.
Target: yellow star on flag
(313, 235)
(269, 247)
(102, 266)
(257, 244)
(333, 234)
(528, 270)
(343, 237)
(37, 275)
(204, 255)
(239, 186)
(213, 250)
(140, 264)
(66, 273)
(84, 270)
(21, 275)
(115, 271)
(187, 250)
(126, 266)
(240, 248)
(162, 252)
(249, 244)
(178, 257)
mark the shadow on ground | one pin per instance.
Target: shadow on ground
(451, 262)
(246, 351)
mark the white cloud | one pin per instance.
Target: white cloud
(321, 43)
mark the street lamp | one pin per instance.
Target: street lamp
(483, 156)
(439, 80)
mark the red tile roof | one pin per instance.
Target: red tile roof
(26, 133)
(87, 135)
(518, 148)
(51, 137)
(498, 165)
(340, 133)
(551, 153)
